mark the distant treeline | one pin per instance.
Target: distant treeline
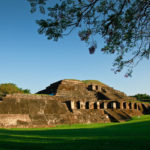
(10, 88)
(142, 97)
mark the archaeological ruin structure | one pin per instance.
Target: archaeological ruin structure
(68, 102)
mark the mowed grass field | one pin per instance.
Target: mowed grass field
(131, 135)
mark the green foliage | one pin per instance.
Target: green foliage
(124, 25)
(10, 88)
(74, 79)
(25, 91)
(142, 96)
(92, 81)
(131, 135)
(88, 81)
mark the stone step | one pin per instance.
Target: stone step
(117, 115)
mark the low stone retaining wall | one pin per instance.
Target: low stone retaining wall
(42, 110)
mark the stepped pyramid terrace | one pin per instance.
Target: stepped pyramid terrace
(68, 102)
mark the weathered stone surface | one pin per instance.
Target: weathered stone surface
(38, 119)
(55, 107)
(11, 120)
(72, 102)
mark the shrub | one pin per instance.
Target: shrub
(10, 88)
(142, 96)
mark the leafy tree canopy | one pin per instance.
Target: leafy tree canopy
(10, 88)
(142, 96)
(123, 24)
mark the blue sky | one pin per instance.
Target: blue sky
(31, 61)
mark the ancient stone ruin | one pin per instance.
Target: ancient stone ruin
(68, 102)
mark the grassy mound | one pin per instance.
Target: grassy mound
(132, 135)
(89, 81)
(92, 82)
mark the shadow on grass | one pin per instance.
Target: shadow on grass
(129, 136)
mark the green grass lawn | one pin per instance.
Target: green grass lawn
(131, 135)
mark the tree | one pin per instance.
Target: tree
(123, 24)
(10, 88)
(142, 96)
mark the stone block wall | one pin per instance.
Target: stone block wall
(73, 102)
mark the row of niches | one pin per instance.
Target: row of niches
(96, 88)
(72, 105)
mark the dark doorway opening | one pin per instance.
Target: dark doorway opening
(102, 105)
(110, 105)
(130, 105)
(117, 105)
(96, 87)
(87, 105)
(78, 104)
(124, 105)
(68, 103)
(95, 105)
(135, 106)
